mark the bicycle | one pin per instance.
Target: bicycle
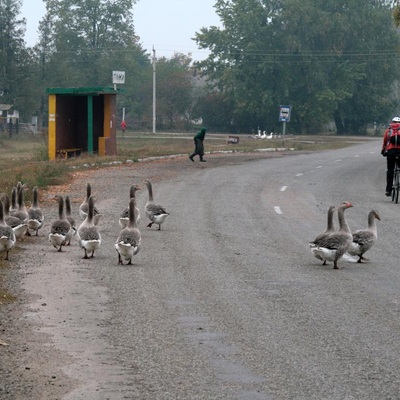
(396, 181)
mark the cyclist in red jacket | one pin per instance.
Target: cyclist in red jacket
(391, 149)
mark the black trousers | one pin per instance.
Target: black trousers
(391, 162)
(198, 148)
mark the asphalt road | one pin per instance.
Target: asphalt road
(227, 301)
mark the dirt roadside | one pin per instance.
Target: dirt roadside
(30, 364)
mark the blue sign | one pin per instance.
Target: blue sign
(284, 113)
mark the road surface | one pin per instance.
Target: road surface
(226, 301)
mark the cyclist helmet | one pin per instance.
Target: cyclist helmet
(396, 119)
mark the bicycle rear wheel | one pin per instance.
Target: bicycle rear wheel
(394, 185)
(397, 185)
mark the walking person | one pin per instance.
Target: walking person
(123, 127)
(199, 145)
(391, 149)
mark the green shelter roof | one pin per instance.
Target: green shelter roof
(96, 90)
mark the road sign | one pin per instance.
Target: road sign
(284, 113)
(118, 77)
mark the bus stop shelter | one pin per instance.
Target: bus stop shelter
(82, 119)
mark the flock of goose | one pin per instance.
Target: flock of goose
(16, 221)
(332, 245)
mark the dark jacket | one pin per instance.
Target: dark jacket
(201, 134)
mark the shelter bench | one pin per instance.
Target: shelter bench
(65, 153)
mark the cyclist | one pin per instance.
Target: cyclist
(390, 149)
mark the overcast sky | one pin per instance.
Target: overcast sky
(169, 25)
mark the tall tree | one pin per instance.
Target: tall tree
(86, 36)
(324, 57)
(15, 73)
(83, 41)
(174, 91)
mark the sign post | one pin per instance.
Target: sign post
(284, 116)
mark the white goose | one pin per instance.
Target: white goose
(124, 216)
(89, 237)
(364, 239)
(83, 208)
(35, 213)
(7, 236)
(329, 229)
(155, 212)
(18, 226)
(60, 228)
(128, 242)
(336, 244)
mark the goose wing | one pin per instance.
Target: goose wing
(155, 209)
(334, 241)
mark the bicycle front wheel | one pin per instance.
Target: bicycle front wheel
(397, 186)
(394, 186)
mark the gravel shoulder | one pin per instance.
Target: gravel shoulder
(32, 309)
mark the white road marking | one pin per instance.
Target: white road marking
(278, 210)
(319, 166)
(283, 188)
(356, 156)
(300, 174)
(338, 160)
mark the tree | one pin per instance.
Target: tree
(319, 56)
(174, 91)
(82, 42)
(83, 39)
(17, 73)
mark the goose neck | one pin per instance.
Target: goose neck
(344, 227)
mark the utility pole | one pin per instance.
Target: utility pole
(154, 90)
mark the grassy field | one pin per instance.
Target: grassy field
(24, 157)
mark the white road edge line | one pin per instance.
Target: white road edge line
(278, 210)
(283, 188)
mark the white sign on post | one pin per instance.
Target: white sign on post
(118, 77)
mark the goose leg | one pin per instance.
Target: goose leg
(362, 258)
(150, 224)
(119, 259)
(335, 266)
(85, 256)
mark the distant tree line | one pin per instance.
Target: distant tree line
(331, 60)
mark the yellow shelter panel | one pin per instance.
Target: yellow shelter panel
(102, 146)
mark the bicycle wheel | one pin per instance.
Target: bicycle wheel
(397, 187)
(394, 185)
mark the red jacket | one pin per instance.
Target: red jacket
(386, 145)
